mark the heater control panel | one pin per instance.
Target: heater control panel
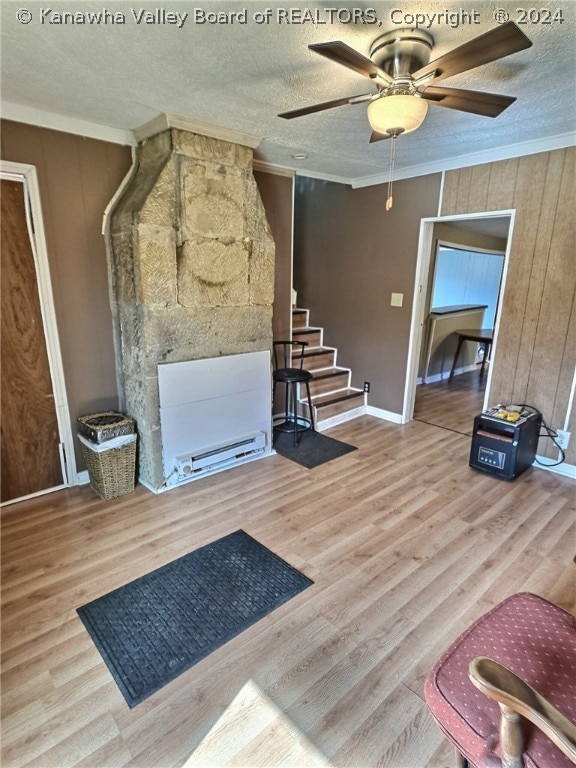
(491, 458)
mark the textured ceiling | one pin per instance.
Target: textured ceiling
(239, 75)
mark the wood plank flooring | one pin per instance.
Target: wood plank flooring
(406, 546)
(451, 404)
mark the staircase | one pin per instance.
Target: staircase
(333, 399)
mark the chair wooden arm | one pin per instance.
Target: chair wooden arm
(515, 698)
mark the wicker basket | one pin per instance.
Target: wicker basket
(99, 427)
(111, 466)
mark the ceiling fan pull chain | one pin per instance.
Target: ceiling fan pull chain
(390, 199)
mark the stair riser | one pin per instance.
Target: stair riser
(328, 411)
(330, 384)
(299, 320)
(322, 360)
(314, 338)
(323, 412)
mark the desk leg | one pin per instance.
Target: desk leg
(487, 349)
(458, 348)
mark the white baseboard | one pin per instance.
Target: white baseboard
(151, 488)
(444, 375)
(566, 470)
(82, 478)
(379, 413)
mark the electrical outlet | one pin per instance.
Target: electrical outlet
(366, 386)
(563, 439)
(397, 299)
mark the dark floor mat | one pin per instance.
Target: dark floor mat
(312, 450)
(153, 629)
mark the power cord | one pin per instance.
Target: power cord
(548, 432)
(552, 434)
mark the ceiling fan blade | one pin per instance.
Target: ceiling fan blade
(379, 136)
(477, 102)
(492, 45)
(325, 105)
(348, 57)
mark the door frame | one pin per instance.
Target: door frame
(26, 174)
(420, 292)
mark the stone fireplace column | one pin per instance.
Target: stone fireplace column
(192, 270)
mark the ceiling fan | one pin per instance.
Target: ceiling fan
(405, 78)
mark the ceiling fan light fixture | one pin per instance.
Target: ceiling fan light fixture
(397, 113)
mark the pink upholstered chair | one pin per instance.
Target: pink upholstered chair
(517, 708)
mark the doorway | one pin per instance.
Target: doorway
(36, 436)
(451, 403)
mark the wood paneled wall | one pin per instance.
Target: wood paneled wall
(535, 358)
(77, 178)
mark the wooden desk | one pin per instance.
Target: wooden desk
(485, 336)
(441, 326)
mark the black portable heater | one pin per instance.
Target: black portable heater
(505, 440)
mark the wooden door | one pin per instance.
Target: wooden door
(29, 428)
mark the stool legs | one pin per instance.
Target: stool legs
(295, 409)
(287, 402)
(291, 423)
(294, 387)
(311, 412)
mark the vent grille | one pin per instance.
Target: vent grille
(191, 464)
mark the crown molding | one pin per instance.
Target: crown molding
(165, 121)
(32, 116)
(283, 170)
(324, 177)
(276, 170)
(561, 141)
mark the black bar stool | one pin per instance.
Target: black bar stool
(285, 354)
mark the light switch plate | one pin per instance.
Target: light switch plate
(397, 299)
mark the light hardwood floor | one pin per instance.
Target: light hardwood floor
(405, 543)
(451, 404)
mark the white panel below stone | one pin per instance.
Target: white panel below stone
(218, 407)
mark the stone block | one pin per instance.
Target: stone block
(209, 150)
(132, 334)
(213, 202)
(160, 207)
(207, 332)
(155, 269)
(157, 148)
(121, 252)
(213, 273)
(151, 157)
(142, 403)
(256, 225)
(262, 273)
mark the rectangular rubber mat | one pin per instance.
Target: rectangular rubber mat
(156, 627)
